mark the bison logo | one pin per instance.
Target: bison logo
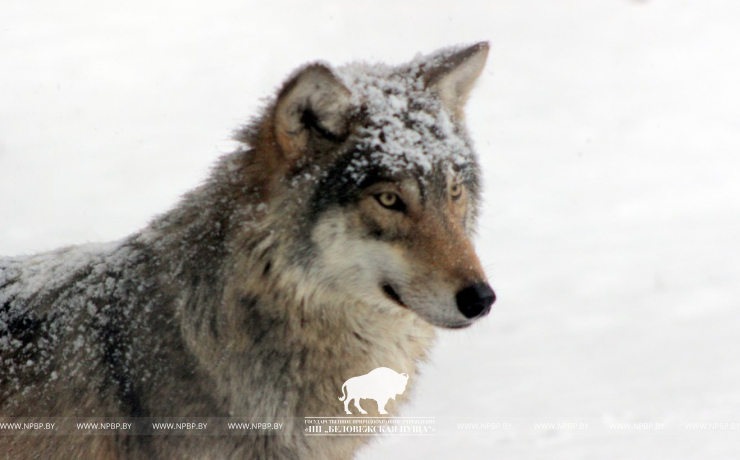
(380, 385)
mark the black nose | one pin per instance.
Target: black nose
(475, 300)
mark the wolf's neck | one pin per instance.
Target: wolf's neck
(269, 332)
(312, 353)
(257, 323)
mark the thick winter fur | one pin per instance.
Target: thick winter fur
(331, 244)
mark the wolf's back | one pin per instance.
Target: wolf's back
(57, 311)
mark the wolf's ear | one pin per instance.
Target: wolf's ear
(452, 76)
(312, 103)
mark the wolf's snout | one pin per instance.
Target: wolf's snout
(475, 300)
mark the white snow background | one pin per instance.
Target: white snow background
(609, 137)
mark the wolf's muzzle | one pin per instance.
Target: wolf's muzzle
(476, 300)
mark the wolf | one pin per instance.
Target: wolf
(334, 240)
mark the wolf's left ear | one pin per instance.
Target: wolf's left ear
(314, 103)
(452, 76)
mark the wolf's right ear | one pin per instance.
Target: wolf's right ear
(312, 103)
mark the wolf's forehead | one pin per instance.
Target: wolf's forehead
(404, 126)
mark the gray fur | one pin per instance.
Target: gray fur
(227, 305)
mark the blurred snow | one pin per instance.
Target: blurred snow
(612, 205)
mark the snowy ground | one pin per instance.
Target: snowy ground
(608, 133)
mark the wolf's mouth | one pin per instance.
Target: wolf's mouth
(393, 295)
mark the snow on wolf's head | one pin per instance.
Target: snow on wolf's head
(373, 183)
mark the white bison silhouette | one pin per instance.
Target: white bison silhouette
(380, 385)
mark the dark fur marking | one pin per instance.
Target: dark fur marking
(24, 328)
(195, 280)
(114, 356)
(374, 230)
(213, 324)
(362, 339)
(248, 302)
(339, 186)
(256, 320)
(422, 191)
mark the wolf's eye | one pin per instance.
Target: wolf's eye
(391, 201)
(456, 191)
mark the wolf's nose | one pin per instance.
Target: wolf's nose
(475, 300)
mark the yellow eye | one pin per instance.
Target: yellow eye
(390, 200)
(387, 199)
(456, 191)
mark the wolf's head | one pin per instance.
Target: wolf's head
(372, 179)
